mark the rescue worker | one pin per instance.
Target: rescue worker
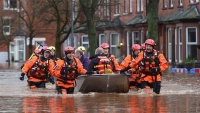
(66, 71)
(134, 83)
(143, 47)
(36, 70)
(100, 64)
(84, 60)
(111, 57)
(52, 59)
(82, 48)
(152, 63)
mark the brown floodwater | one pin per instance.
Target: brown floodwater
(180, 93)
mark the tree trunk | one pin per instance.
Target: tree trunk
(91, 36)
(30, 47)
(152, 19)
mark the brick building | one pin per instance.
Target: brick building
(124, 24)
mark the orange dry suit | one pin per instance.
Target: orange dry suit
(67, 80)
(134, 70)
(103, 66)
(113, 62)
(147, 63)
(36, 69)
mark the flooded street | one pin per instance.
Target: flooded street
(179, 94)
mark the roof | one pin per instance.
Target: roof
(136, 20)
(190, 13)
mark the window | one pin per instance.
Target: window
(114, 42)
(101, 39)
(129, 42)
(169, 35)
(191, 42)
(140, 6)
(85, 43)
(6, 26)
(35, 41)
(135, 37)
(131, 5)
(106, 7)
(180, 2)
(125, 6)
(171, 4)
(180, 45)
(142, 37)
(194, 1)
(117, 7)
(164, 4)
(21, 49)
(10, 4)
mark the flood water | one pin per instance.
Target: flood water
(180, 93)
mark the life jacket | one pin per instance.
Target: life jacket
(103, 65)
(39, 69)
(149, 62)
(72, 71)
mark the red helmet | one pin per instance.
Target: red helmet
(136, 47)
(105, 45)
(68, 49)
(37, 51)
(45, 49)
(143, 46)
(150, 42)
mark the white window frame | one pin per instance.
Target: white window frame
(85, 43)
(125, 6)
(100, 39)
(8, 7)
(180, 44)
(133, 37)
(7, 26)
(190, 43)
(131, 6)
(117, 8)
(171, 3)
(106, 8)
(165, 3)
(180, 2)
(127, 42)
(169, 30)
(114, 46)
(138, 5)
(17, 50)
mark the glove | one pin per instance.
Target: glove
(22, 76)
(155, 70)
(125, 69)
(51, 80)
(62, 72)
(89, 72)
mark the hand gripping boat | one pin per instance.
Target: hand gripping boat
(102, 83)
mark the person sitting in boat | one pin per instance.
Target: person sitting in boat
(113, 62)
(100, 64)
(66, 71)
(134, 72)
(36, 69)
(84, 60)
(152, 63)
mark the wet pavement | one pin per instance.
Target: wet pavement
(180, 93)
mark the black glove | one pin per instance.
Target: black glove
(22, 76)
(125, 69)
(63, 71)
(89, 72)
(155, 70)
(51, 80)
(137, 78)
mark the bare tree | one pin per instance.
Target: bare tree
(58, 13)
(31, 12)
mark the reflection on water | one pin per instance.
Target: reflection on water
(179, 94)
